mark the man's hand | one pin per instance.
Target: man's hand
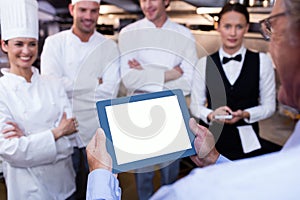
(134, 64)
(12, 132)
(204, 144)
(173, 74)
(97, 155)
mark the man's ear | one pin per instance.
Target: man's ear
(71, 9)
(167, 3)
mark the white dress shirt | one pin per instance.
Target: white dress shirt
(232, 69)
(80, 65)
(157, 50)
(35, 166)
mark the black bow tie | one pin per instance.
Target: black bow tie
(237, 58)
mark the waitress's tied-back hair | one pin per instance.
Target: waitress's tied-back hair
(237, 7)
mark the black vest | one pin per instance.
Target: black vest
(244, 93)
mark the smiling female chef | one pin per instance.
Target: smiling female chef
(36, 131)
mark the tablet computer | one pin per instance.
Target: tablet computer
(146, 129)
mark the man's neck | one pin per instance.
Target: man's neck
(161, 21)
(84, 37)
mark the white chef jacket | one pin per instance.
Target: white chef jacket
(232, 69)
(157, 50)
(79, 65)
(35, 166)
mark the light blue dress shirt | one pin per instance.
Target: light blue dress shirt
(272, 176)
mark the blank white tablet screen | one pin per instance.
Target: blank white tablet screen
(146, 129)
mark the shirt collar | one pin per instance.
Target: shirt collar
(15, 80)
(75, 37)
(150, 24)
(241, 51)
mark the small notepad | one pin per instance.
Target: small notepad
(249, 139)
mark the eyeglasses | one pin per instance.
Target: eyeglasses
(266, 26)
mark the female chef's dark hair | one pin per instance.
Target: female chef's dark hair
(237, 7)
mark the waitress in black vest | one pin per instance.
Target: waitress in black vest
(234, 88)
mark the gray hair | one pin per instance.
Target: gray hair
(293, 6)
